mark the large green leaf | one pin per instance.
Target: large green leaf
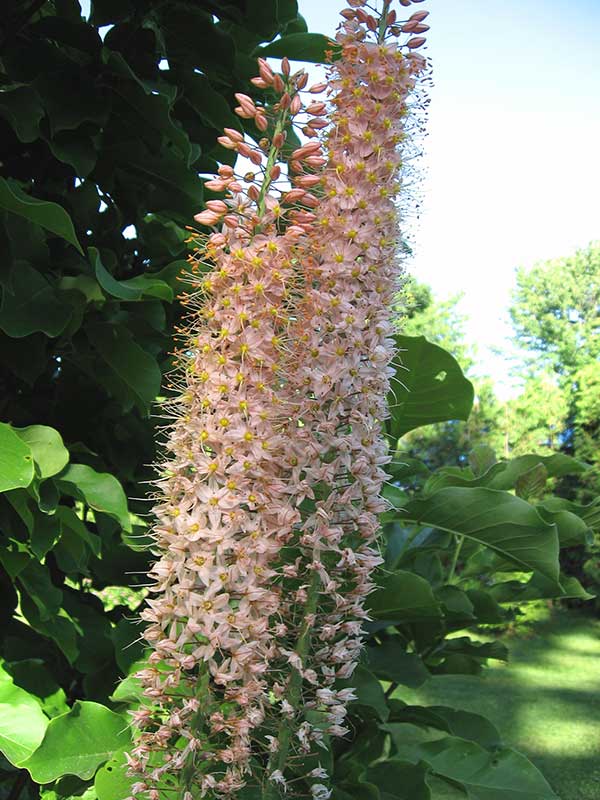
(33, 305)
(99, 490)
(32, 675)
(49, 452)
(48, 215)
(78, 742)
(501, 775)
(498, 520)
(300, 46)
(21, 108)
(22, 721)
(137, 371)
(403, 596)
(111, 781)
(400, 780)
(389, 661)
(429, 387)
(133, 288)
(16, 460)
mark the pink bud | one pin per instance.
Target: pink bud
(285, 66)
(207, 218)
(318, 124)
(278, 84)
(217, 239)
(236, 136)
(347, 13)
(315, 161)
(218, 206)
(253, 192)
(310, 200)
(309, 132)
(278, 140)
(275, 172)
(302, 80)
(266, 73)
(317, 88)
(307, 181)
(239, 110)
(415, 42)
(259, 82)
(225, 171)
(261, 122)
(419, 15)
(244, 100)
(405, 3)
(391, 18)
(293, 195)
(295, 105)
(230, 221)
(286, 100)
(215, 185)
(244, 149)
(255, 157)
(316, 109)
(371, 23)
(226, 142)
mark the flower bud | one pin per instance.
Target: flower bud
(285, 66)
(415, 42)
(278, 84)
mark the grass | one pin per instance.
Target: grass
(545, 702)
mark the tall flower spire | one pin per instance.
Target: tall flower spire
(267, 508)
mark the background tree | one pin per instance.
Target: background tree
(441, 322)
(556, 318)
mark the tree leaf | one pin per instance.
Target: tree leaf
(33, 306)
(32, 676)
(133, 288)
(403, 596)
(78, 742)
(389, 661)
(400, 780)
(16, 460)
(112, 781)
(501, 775)
(429, 387)
(133, 366)
(21, 108)
(22, 721)
(300, 47)
(49, 216)
(498, 520)
(100, 490)
(46, 444)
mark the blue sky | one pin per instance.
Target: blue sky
(511, 172)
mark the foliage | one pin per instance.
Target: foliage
(444, 443)
(96, 139)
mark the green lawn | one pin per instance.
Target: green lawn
(545, 702)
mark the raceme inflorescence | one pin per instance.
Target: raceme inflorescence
(268, 500)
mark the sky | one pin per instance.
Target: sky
(511, 168)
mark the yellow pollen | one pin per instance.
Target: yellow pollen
(247, 464)
(335, 301)
(231, 618)
(228, 451)
(272, 247)
(212, 467)
(223, 576)
(244, 349)
(194, 528)
(231, 485)
(224, 422)
(214, 501)
(252, 498)
(239, 377)
(207, 604)
(203, 376)
(200, 561)
(243, 405)
(248, 436)
(175, 512)
(203, 436)
(339, 258)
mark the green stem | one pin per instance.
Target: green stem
(382, 21)
(272, 159)
(457, 549)
(278, 760)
